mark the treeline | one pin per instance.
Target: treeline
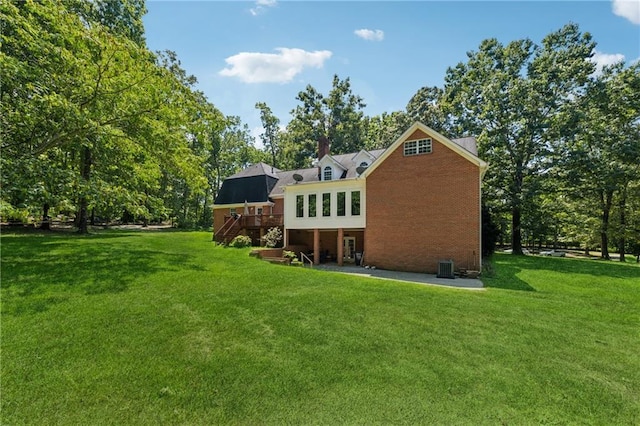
(98, 128)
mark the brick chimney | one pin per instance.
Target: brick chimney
(323, 147)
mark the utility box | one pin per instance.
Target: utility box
(445, 269)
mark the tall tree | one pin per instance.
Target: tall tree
(600, 159)
(112, 117)
(510, 97)
(382, 130)
(338, 117)
(271, 133)
(426, 106)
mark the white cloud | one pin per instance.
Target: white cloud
(281, 67)
(371, 35)
(628, 9)
(603, 59)
(261, 6)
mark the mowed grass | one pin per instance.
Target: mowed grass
(166, 328)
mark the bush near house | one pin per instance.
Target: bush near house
(273, 237)
(240, 241)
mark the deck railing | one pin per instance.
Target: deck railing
(259, 221)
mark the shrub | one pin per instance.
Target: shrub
(289, 255)
(240, 241)
(273, 237)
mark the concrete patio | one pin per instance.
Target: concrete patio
(410, 277)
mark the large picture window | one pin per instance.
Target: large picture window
(422, 146)
(312, 205)
(299, 205)
(326, 204)
(342, 208)
(355, 203)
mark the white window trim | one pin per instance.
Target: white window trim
(417, 147)
(327, 170)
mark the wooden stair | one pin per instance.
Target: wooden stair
(229, 230)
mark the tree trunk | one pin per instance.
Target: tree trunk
(605, 203)
(516, 231)
(85, 173)
(185, 206)
(623, 223)
(46, 220)
(516, 211)
(205, 209)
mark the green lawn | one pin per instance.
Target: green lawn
(165, 328)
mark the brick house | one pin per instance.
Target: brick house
(404, 208)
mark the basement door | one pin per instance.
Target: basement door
(349, 245)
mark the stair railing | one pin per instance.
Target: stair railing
(304, 257)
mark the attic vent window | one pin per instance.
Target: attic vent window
(421, 146)
(328, 173)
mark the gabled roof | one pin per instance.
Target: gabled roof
(347, 161)
(329, 159)
(465, 147)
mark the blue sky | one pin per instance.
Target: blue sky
(268, 50)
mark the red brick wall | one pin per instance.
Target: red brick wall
(218, 218)
(278, 207)
(422, 209)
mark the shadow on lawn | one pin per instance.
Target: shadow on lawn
(504, 275)
(42, 270)
(505, 268)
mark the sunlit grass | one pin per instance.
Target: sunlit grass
(147, 328)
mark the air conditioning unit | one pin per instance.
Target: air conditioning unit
(445, 269)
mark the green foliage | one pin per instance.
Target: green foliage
(512, 97)
(426, 106)
(382, 130)
(240, 241)
(91, 119)
(338, 117)
(271, 136)
(289, 254)
(273, 237)
(600, 159)
(490, 232)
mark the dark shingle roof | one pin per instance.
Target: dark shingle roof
(286, 178)
(237, 190)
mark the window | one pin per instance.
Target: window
(422, 146)
(328, 173)
(326, 204)
(355, 203)
(259, 211)
(312, 205)
(299, 205)
(232, 211)
(342, 208)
